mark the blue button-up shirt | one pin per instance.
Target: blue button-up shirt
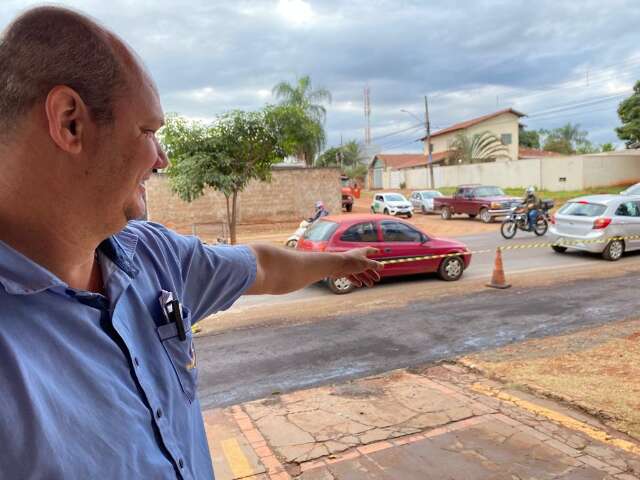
(96, 386)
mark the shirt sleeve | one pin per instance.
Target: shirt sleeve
(211, 278)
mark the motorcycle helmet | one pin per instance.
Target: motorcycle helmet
(319, 205)
(531, 190)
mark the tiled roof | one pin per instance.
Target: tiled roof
(474, 121)
(409, 160)
(535, 153)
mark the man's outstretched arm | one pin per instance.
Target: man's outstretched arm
(281, 270)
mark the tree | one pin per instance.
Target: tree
(347, 155)
(629, 113)
(529, 138)
(567, 140)
(607, 147)
(227, 155)
(309, 101)
(481, 147)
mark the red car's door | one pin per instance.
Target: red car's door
(364, 234)
(401, 240)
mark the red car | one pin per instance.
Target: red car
(394, 239)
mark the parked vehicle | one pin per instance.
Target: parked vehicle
(518, 220)
(596, 224)
(350, 191)
(393, 238)
(422, 200)
(292, 241)
(632, 190)
(391, 204)
(485, 202)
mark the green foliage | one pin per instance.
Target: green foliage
(607, 147)
(302, 98)
(226, 156)
(481, 147)
(356, 172)
(629, 113)
(348, 155)
(567, 140)
(529, 138)
(298, 133)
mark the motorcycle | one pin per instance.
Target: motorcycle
(519, 220)
(292, 241)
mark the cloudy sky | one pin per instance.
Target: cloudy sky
(557, 61)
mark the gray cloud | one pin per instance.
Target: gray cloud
(472, 57)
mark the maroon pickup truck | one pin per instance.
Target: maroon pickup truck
(481, 201)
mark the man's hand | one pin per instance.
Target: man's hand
(359, 269)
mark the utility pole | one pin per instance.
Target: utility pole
(428, 128)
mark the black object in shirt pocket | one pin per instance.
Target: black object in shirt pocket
(182, 353)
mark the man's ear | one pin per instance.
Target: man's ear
(67, 115)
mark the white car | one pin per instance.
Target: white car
(605, 224)
(632, 190)
(391, 204)
(423, 200)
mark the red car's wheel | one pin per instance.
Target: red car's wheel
(451, 269)
(340, 286)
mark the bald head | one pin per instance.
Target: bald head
(50, 46)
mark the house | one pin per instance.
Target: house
(504, 124)
(387, 170)
(526, 153)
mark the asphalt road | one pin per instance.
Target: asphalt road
(241, 365)
(515, 261)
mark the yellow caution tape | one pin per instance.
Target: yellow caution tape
(559, 243)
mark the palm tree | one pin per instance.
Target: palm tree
(481, 147)
(302, 95)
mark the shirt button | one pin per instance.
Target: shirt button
(135, 360)
(159, 413)
(180, 463)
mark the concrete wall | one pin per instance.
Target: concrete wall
(290, 196)
(505, 123)
(551, 173)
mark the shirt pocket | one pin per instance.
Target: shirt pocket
(181, 353)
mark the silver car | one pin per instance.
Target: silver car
(632, 190)
(605, 224)
(422, 200)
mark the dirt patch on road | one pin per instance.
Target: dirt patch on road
(597, 370)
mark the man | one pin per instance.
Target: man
(97, 367)
(319, 212)
(532, 204)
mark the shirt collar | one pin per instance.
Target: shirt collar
(20, 275)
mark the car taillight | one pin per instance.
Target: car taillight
(552, 218)
(601, 223)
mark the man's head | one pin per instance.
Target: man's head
(78, 115)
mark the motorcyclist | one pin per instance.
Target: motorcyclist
(319, 212)
(532, 204)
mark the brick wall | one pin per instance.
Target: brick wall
(289, 197)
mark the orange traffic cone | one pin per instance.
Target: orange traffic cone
(497, 279)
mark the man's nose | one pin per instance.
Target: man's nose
(162, 161)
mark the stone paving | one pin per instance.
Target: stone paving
(443, 422)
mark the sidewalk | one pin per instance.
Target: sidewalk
(443, 422)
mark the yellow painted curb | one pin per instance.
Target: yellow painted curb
(559, 418)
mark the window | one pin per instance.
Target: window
(399, 232)
(505, 138)
(628, 209)
(320, 231)
(431, 194)
(379, 198)
(489, 192)
(394, 197)
(582, 209)
(361, 232)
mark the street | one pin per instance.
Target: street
(481, 266)
(241, 365)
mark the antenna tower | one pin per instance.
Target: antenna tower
(367, 116)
